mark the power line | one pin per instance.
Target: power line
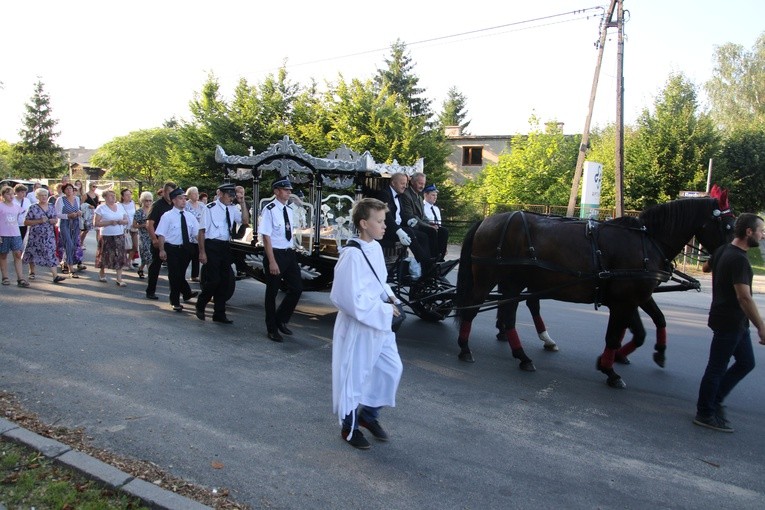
(577, 12)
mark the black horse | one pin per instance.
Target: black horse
(616, 263)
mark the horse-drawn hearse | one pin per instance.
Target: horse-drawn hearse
(325, 191)
(505, 259)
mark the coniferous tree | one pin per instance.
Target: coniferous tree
(37, 154)
(453, 112)
(399, 78)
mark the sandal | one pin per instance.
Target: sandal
(22, 283)
(32, 276)
(75, 275)
(80, 267)
(102, 279)
(6, 281)
(58, 279)
(120, 283)
(140, 273)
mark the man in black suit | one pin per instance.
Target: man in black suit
(413, 215)
(395, 227)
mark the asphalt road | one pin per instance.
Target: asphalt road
(162, 386)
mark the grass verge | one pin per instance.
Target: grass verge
(755, 258)
(28, 479)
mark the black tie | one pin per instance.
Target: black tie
(435, 218)
(228, 223)
(287, 228)
(184, 231)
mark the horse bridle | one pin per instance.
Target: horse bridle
(717, 217)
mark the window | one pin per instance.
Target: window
(472, 156)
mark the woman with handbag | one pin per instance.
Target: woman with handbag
(68, 211)
(131, 234)
(366, 367)
(41, 243)
(112, 221)
(139, 223)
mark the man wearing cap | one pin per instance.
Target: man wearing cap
(280, 263)
(219, 222)
(176, 229)
(158, 208)
(433, 216)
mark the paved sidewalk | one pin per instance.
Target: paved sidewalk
(151, 495)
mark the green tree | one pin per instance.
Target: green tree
(399, 78)
(538, 169)
(192, 159)
(671, 148)
(741, 168)
(140, 156)
(6, 159)
(737, 87)
(37, 154)
(454, 111)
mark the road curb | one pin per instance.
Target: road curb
(151, 495)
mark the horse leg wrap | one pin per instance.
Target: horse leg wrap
(514, 340)
(464, 334)
(661, 339)
(607, 358)
(539, 324)
(628, 349)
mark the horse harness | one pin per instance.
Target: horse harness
(599, 273)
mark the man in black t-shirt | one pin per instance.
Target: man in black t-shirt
(158, 208)
(732, 309)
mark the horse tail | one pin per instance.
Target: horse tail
(465, 272)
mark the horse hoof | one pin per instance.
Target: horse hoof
(659, 358)
(616, 382)
(622, 359)
(466, 356)
(527, 366)
(551, 347)
(501, 337)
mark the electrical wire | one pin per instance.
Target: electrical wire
(577, 12)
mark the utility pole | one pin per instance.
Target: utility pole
(619, 166)
(586, 133)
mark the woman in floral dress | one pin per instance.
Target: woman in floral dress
(68, 211)
(139, 222)
(41, 243)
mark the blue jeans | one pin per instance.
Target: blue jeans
(719, 380)
(365, 413)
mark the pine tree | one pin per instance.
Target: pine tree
(453, 112)
(37, 154)
(399, 78)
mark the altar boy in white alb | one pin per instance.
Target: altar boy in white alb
(366, 367)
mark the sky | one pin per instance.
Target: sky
(115, 67)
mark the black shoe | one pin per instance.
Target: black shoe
(357, 439)
(151, 296)
(275, 336)
(194, 293)
(222, 319)
(375, 428)
(200, 313)
(284, 329)
(712, 422)
(177, 308)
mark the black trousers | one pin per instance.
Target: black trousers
(217, 277)
(178, 259)
(194, 260)
(154, 267)
(290, 276)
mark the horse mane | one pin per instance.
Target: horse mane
(675, 219)
(626, 221)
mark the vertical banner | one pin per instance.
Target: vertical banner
(592, 175)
